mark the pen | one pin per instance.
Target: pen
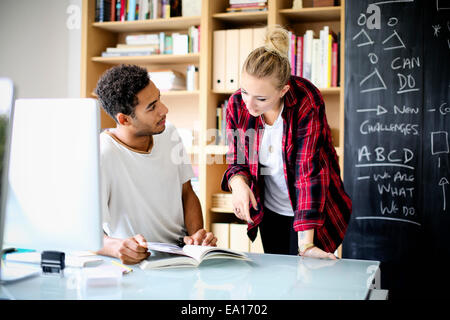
(126, 269)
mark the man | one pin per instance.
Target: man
(146, 192)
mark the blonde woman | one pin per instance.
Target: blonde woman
(283, 170)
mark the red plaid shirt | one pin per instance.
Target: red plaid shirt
(310, 163)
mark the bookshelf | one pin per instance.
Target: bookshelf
(196, 110)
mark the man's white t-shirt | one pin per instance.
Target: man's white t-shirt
(142, 192)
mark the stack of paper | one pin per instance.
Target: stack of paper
(167, 80)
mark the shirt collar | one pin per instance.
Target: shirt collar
(290, 98)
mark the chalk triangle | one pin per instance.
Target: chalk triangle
(363, 33)
(373, 82)
(395, 41)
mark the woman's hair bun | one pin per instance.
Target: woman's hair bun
(277, 40)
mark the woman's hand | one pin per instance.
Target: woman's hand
(316, 252)
(308, 249)
(242, 195)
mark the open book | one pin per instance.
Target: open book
(166, 255)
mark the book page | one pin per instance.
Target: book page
(203, 252)
(166, 247)
(160, 259)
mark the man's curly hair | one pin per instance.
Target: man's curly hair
(118, 86)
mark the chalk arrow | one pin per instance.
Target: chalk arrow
(379, 110)
(442, 183)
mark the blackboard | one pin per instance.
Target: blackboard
(397, 125)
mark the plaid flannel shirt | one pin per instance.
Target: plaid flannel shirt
(310, 162)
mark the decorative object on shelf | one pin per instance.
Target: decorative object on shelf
(192, 78)
(298, 4)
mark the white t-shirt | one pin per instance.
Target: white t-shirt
(276, 194)
(142, 192)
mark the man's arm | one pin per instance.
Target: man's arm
(193, 219)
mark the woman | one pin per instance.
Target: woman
(283, 170)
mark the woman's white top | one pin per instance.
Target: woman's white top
(276, 195)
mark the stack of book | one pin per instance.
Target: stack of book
(167, 80)
(247, 5)
(157, 43)
(132, 10)
(316, 59)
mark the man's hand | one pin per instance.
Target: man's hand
(132, 250)
(201, 237)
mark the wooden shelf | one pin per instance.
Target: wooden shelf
(155, 59)
(222, 210)
(313, 14)
(168, 24)
(332, 90)
(242, 17)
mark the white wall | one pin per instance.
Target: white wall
(40, 47)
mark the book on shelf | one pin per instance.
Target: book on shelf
(247, 5)
(132, 10)
(334, 65)
(221, 113)
(315, 63)
(166, 255)
(299, 69)
(150, 48)
(307, 53)
(316, 57)
(136, 39)
(164, 43)
(103, 10)
(247, 9)
(123, 10)
(113, 10)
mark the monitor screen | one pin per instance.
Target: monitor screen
(6, 112)
(53, 200)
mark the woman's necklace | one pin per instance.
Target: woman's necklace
(271, 148)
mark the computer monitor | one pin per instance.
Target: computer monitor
(53, 200)
(6, 113)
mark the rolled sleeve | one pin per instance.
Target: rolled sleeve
(312, 173)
